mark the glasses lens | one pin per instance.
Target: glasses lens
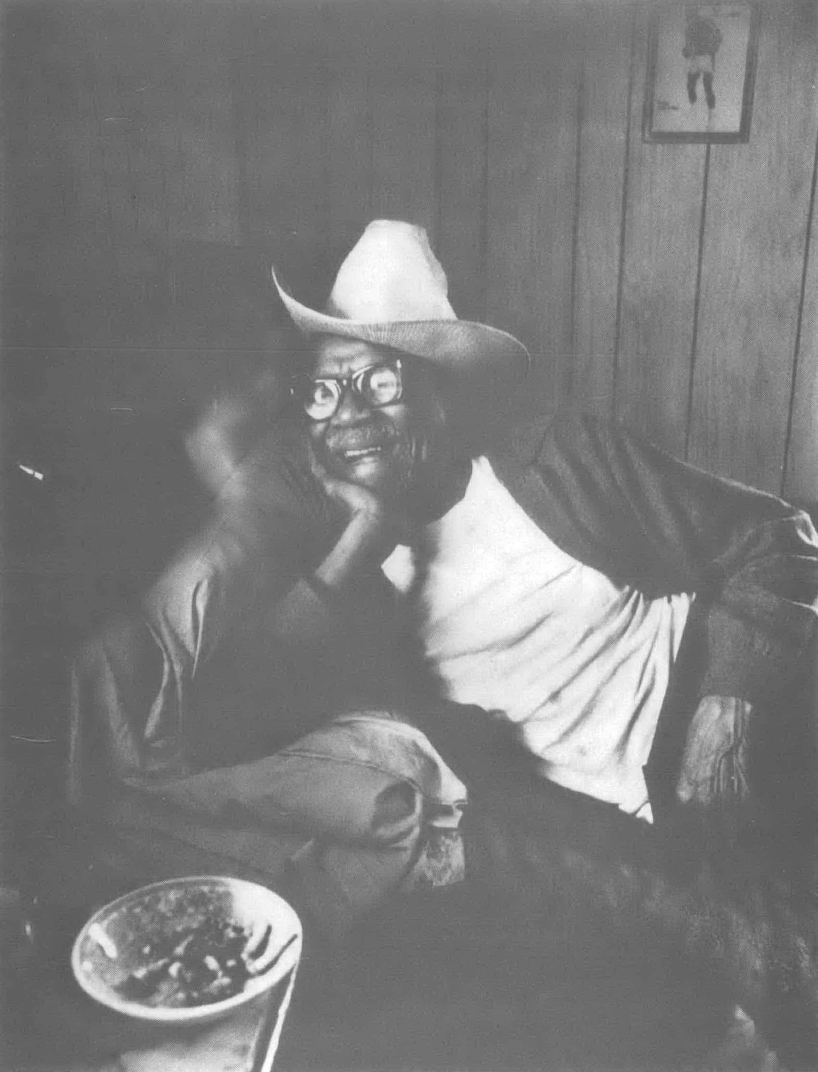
(319, 397)
(381, 385)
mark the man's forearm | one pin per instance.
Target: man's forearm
(350, 556)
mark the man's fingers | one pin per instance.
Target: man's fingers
(689, 791)
(318, 470)
(727, 780)
(340, 490)
(737, 786)
(354, 497)
(715, 759)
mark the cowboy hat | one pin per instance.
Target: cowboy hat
(391, 291)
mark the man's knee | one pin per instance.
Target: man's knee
(396, 814)
(365, 777)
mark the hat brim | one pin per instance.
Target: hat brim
(463, 347)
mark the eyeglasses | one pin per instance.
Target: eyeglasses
(375, 385)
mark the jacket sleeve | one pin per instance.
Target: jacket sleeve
(133, 684)
(649, 519)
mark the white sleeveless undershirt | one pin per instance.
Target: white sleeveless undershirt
(512, 623)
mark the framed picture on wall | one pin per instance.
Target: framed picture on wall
(701, 72)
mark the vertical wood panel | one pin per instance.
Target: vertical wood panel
(349, 140)
(402, 94)
(753, 259)
(663, 217)
(802, 458)
(54, 196)
(202, 194)
(532, 191)
(161, 126)
(461, 163)
(602, 156)
(37, 177)
(280, 86)
(130, 152)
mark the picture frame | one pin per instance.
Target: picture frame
(701, 72)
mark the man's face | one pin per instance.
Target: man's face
(376, 447)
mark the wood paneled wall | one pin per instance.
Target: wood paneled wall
(159, 154)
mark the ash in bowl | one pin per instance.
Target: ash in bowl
(197, 965)
(184, 946)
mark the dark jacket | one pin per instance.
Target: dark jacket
(644, 518)
(641, 516)
(232, 623)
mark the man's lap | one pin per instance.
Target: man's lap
(346, 806)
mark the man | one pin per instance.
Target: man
(702, 42)
(374, 460)
(633, 621)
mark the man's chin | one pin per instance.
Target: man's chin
(379, 473)
(368, 467)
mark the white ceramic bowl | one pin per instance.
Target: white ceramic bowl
(112, 943)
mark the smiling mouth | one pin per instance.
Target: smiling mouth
(355, 454)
